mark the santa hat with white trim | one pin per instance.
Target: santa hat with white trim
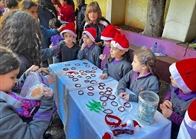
(70, 28)
(184, 74)
(120, 42)
(190, 117)
(109, 32)
(91, 33)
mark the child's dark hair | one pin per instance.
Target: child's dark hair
(147, 57)
(27, 4)
(8, 61)
(125, 56)
(54, 23)
(11, 3)
(20, 32)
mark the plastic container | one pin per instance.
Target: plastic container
(155, 48)
(148, 102)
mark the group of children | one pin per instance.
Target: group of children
(136, 75)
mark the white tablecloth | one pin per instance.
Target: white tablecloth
(82, 123)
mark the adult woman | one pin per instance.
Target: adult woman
(80, 17)
(93, 17)
(46, 11)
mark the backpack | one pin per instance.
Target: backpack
(28, 107)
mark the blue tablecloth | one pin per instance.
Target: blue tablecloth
(79, 121)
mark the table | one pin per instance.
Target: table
(64, 83)
(80, 122)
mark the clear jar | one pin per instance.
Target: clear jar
(148, 102)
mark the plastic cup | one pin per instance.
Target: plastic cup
(148, 102)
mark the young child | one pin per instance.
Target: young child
(89, 50)
(69, 49)
(107, 35)
(181, 93)
(12, 126)
(118, 65)
(141, 77)
(188, 126)
(54, 24)
(2, 6)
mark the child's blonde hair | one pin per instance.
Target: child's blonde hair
(93, 7)
(146, 57)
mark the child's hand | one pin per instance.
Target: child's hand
(104, 76)
(167, 104)
(102, 56)
(32, 68)
(165, 111)
(48, 92)
(83, 46)
(60, 28)
(124, 95)
(44, 70)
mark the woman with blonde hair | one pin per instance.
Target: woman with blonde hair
(94, 18)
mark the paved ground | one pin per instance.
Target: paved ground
(56, 128)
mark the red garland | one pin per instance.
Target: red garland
(112, 123)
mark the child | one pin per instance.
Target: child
(89, 50)
(181, 93)
(107, 35)
(11, 5)
(2, 6)
(142, 77)
(188, 126)
(118, 65)
(54, 24)
(12, 126)
(69, 49)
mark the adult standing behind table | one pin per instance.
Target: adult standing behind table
(46, 11)
(80, 17)
(94, 18)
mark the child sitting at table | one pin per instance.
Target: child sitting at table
(69, 49)
(118, 64)
(107, 35)
(12, 125)
(181, 93)
(141, 77)
(89, 50)
(188, 125)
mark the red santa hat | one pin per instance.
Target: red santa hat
(70, 28)
(190, 117)
(109, 32)
(120, 42)
(184, 74)
(91, 33)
